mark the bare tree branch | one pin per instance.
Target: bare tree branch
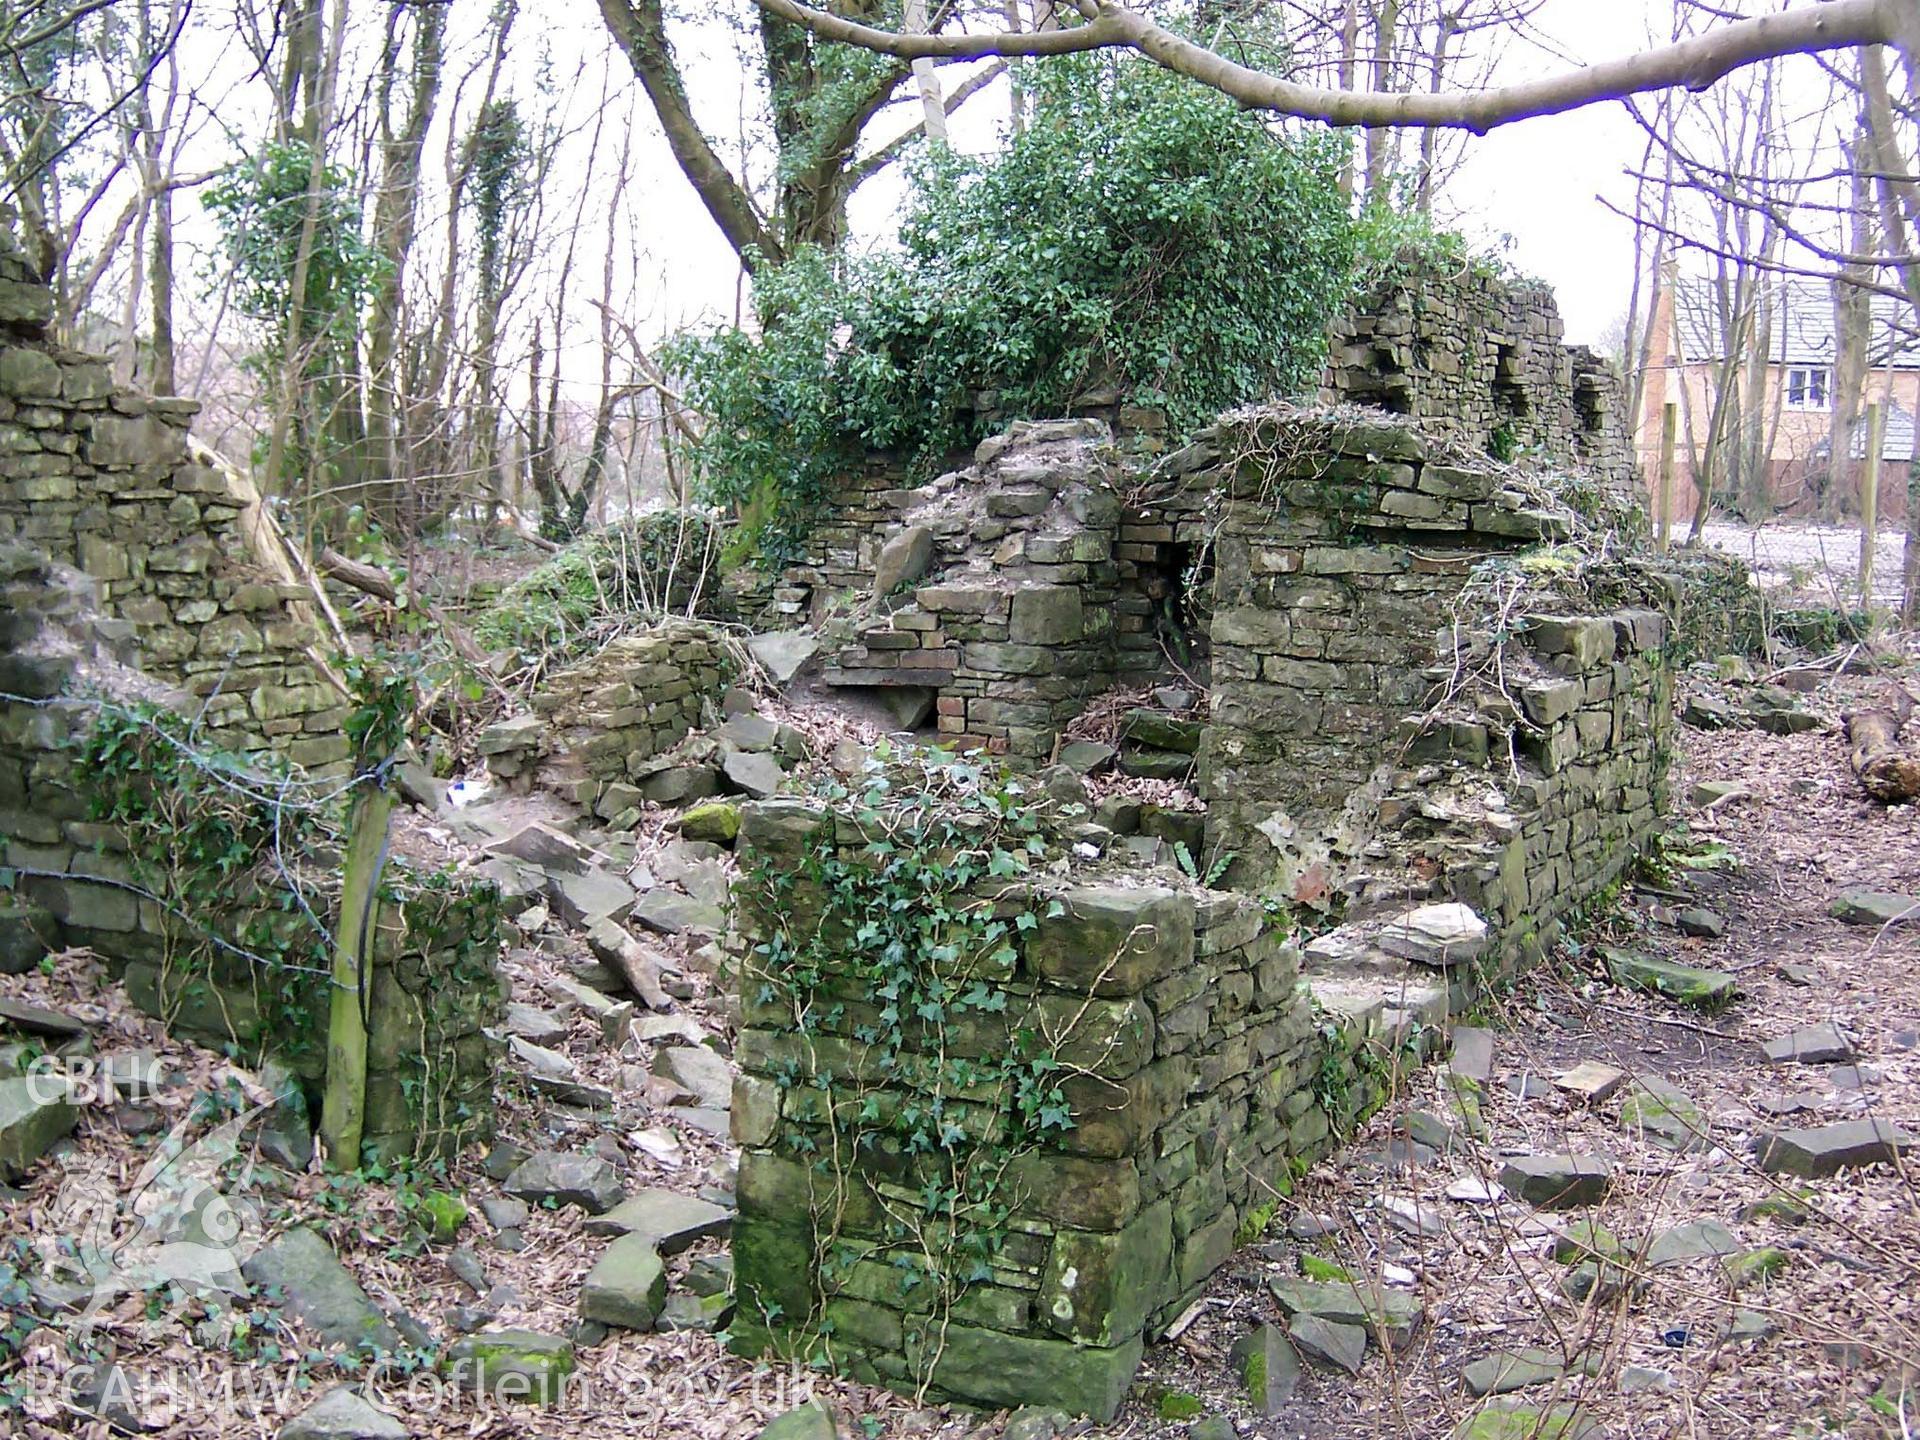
(1694, 63)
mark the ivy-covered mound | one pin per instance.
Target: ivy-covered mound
(1141, 233)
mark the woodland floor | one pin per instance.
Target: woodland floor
(1847, 1305)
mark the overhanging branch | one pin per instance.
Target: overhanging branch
(1693, 64)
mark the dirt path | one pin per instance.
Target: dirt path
(1841, 1318)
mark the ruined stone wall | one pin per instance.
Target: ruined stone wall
(435, 986)
(1189, 1045)
(1013, 589)
(1482, 361)
(99, 477)
(1344, 545)
(602, 730)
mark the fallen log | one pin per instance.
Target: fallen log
(1889, 771)
(368, 579)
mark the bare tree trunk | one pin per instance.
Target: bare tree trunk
(1016, 86)
(1852, 325)
(1380, 139)
(395, 216)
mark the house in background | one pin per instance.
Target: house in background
(1790, 439)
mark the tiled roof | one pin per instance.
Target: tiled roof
(1803, 327)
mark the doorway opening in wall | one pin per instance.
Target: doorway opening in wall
(1180, 585)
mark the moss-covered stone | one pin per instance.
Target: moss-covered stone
(1113, 941)
(512, 1365)
(1698, 989)
(1754, 1267)
(1100, 1288)
(988, 1368)
(715, 821)
(1502, 1421)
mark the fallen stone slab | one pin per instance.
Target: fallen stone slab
(716, 822)
(1874, 907)
(1685, 984)
(1269, 1367)
(1472, 1053)
(701, 1314)
(320, 1292)
(1586, 1240)
(542, 845)
(1349, 1303)
(1700, 923)
(1754, 1267)
(341, 1414)
(541, 1062)
(812, 1421)
(1083, 757)
(583, 1180)
(755, 775)
(783, 652)
(580, 899)
(535, 1025)
(1557, 1182)
(34, 1113)
(1825, 1044)
(1664, 1115)
(1816, 1153)
(1499, 1420)
(666, 1030)
(1696, 1240)
(1505, 1371)
(31, 1019)
(1713, 794)
(512, 1364)
(748, 731)
(666, 1220)
(1437, 936)
(700, 1070)
(627, 1286)
(1591, 1082)
(696, 868)
(680, 784)
(666, 912)
(1337, 1346)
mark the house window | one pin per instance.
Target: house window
(1809, 388)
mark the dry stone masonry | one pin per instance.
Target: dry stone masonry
(435, 989)
(1176, 1011)
(96, 476)
(1429, 710)
(602, 731)
(1482, 361)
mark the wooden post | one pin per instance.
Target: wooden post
(1870, 504)
(343, 1113)
(1669, 443)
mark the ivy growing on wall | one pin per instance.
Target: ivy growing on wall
(1140, 235)
(219, 841)
(923, 1070)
